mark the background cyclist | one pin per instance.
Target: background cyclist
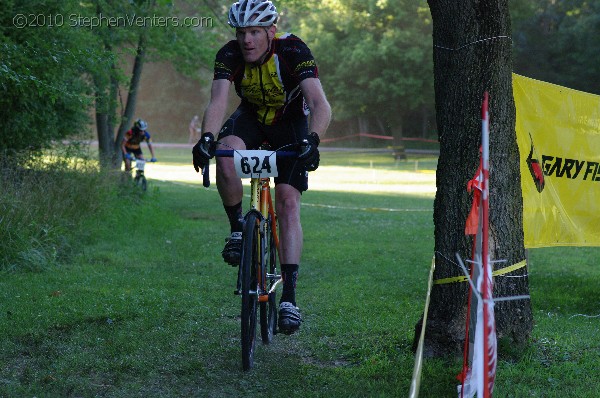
(130, 146)
(276, 77)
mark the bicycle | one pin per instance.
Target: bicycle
(257, 273)
(139, 179)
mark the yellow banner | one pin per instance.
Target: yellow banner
(558, 132)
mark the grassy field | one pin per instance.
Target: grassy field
(144, 308)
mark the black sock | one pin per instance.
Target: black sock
(234, 214)
(289, 274)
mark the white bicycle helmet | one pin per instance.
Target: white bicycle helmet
(246, 13)
(140, 124)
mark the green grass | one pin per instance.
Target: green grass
(144, 306)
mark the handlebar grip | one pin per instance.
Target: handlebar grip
(205, 177)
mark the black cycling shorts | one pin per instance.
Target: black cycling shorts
(136, 152)
(244, 124)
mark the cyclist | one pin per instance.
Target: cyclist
(276, 77)
(130, 146)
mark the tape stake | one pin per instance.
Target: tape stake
(416, 379)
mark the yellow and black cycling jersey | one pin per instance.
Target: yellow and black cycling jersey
(272, 89)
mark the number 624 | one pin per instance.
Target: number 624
(255, 165)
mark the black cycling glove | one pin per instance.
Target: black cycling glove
(309, 153)
(203, 151)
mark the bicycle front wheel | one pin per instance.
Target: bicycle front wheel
(248, 262)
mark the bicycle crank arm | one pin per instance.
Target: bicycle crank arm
(275, 284)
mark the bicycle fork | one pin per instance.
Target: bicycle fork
(261, 202)
(267, 284)
(270, 220)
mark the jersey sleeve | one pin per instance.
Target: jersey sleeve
(300, 58)
(227, 61)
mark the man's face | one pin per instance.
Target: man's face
(254, 42)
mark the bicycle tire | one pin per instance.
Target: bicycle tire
(249, 258)
(144, 183)
(268, 309)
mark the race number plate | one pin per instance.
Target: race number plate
(255, 164)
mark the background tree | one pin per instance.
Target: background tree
(556, 41)
(44, 93)
(375, 61)
(472, 53)
(184, 47)
(55, 68)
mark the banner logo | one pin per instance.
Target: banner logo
(535, 169)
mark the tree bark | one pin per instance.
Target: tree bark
(134, 83)
(109, 146)
(363, 127)
(472, 54)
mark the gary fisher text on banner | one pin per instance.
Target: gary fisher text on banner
(558, 132)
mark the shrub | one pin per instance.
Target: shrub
(43, 199)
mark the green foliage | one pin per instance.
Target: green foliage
(556, 41)
(177, 32)
(61, 58)
(374, 56)
(188, 49)
(45, 95)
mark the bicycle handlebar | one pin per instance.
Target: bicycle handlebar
(228, 153)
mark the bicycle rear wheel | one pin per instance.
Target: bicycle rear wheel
(268, 309)
(249, 259)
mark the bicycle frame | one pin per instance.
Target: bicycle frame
(261, 200)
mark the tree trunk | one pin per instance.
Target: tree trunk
(104, 114)
(472, 54)
(398, 133)
(109, 146)
(134, 83)
(116, 157)
(104, 141)
(363, 127)
(381, 125)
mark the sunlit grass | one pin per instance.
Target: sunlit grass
(360, 173)
(326, 178)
